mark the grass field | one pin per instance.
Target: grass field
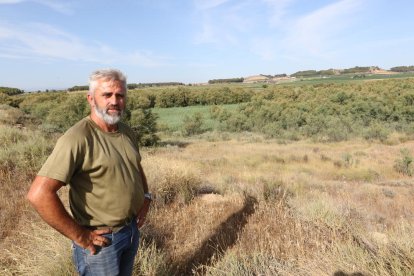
(244, 206)
(173, 117)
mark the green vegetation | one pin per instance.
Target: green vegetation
(358, 69)
(10, 91)
(172, 119)
(404, 165)
(152, 84)
(193, 125)
(403, 69)
(225, 80)
(313, 73)
(327, 112)
(321, 110)
(79, 88)
(144, 123)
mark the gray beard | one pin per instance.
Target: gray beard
(109, 119)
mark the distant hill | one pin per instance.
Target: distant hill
(358, 71)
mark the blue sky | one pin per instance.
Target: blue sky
(52, 44)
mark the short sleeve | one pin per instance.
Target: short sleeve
(64, 160)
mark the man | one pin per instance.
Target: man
(99, 158)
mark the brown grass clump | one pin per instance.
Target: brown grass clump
(21, 155)
(43, 252)
(184, 231)
(10, 115)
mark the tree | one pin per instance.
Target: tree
(144, 123)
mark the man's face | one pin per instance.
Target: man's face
(108, 101)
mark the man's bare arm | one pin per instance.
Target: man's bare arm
(43, 196)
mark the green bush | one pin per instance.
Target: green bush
(144, 123)
(193, 125)
(10, 91)
(376, 131)
(404, 165)
(67, 113)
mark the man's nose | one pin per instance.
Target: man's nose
(113, 100)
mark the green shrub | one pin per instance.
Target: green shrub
(193, 125)
(404, 165)
(144, 123)
(376, 132)
(67, 113)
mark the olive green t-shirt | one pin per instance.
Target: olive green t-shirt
(102, 171)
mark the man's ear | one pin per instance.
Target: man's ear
(89, 97)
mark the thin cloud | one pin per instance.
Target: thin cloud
(233, 24)
(222, 24)
(208, 4)
(278, 10)
(42, 41)
(59, 6)
(263, 47)
(11, 1)
(318, 31)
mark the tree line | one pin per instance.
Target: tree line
(402, 69)
(324, 112)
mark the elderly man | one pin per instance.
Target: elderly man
(99, 158)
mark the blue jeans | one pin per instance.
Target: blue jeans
(115, 259)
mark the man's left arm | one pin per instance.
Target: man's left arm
(142, 213)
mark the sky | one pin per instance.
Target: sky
(54, 44)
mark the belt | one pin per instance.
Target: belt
(114, 228)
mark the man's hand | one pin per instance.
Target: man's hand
(142, 213)
(88, 239)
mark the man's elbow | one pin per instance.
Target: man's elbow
(32, 196)
(36, 191)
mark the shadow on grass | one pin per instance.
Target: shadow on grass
(179, 144)
(341, 273)
(214, 246)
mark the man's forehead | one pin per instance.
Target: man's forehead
(111, 85)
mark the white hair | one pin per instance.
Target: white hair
(107, 75)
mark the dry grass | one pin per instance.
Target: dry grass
(301, 208)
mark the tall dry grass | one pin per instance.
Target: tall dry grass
(243, 206)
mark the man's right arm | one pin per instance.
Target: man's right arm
(43, 196)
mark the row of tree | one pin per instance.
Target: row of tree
(130, 85)
(402, 69)
(188, 96)
(230, 80)
(10, 91)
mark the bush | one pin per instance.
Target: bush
(10, 115)
(376, 132)
(144, 123)
(404, 165)
(66, 114)
(181, 186)
(193, 125)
